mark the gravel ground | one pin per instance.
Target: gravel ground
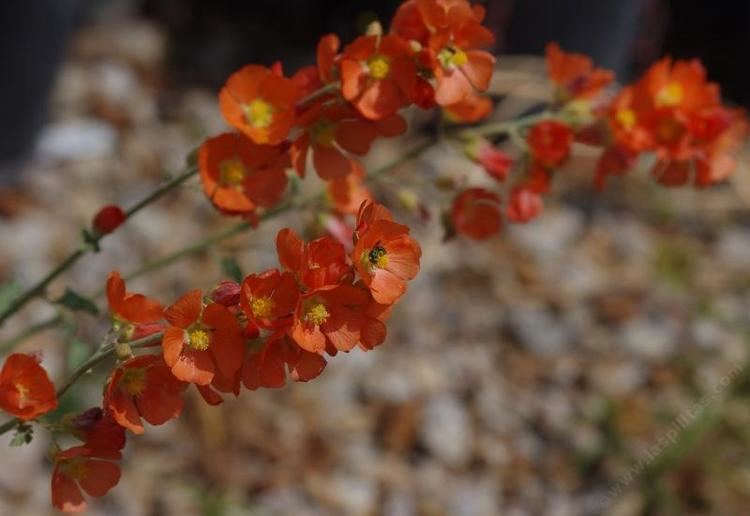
(592, 362)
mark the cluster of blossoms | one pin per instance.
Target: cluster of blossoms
(335, 110)
(274, 325)
(335, 293)
(671, 115)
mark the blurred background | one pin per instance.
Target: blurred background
(541, 373)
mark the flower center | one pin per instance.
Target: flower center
(317, 314)
(626, 118)
(199, 340)
(379, 66)
(259, 113)
(134, 381)
(670, 95)
(231, 172)
(23, 394)
(451, 57)
(74, 468)
(323, 132)
(262, 307)
(378, 257)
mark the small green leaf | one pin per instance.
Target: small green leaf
(24, 434)
(231, 268)
(77, 303)
(8, 293)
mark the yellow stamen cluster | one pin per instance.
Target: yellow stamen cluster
(626, 118)
(317, 314)
(379, 66)
(670, 95)
(134, 381)
(451, 57)
(262, 307)
(199, 340)
(231, 172)
(259, 113)
(23, 394)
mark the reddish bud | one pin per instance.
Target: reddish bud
(476, 214)
(108, 219)
(227, 293)
(524, 204)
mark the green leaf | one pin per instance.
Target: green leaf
(8, 293)
(24, 434)
(76, 302)
(231, 268)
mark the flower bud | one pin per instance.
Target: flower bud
(108, 219)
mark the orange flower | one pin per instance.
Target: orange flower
(348, 194)
(378, 75)
(82, 468)
(25, 389)
(239, 175)
(385, 256)
(268, 365)
(335, 320)
(200, 341)
(476, 214)
(88, 467)
(327, 54)
(455, 37)
(269, 299)
(134, 315)
(260, 103)
(574, 75)
(333, 132)
(524, 204)
(550, 142)
(143, 387)
(317, 265)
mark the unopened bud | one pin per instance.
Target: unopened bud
(415, 45)
(374, 29)
(123, 351)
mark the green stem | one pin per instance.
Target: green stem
(504, 127)
(42, 285)
(94, 360)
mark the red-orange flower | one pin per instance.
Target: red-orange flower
(549, 142)
(336, 320)
(201, 340)
(574, 75)
(269, 299)
(143, 387)
(335, 131)
(134, 315)
(82, 468)
(260, 103)
(239, 175)
(317, 265)
(88, 467)
(378, 75)
(278, 356)
(455, 37)
(476, 214)
(25, 389)
(385, 256)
